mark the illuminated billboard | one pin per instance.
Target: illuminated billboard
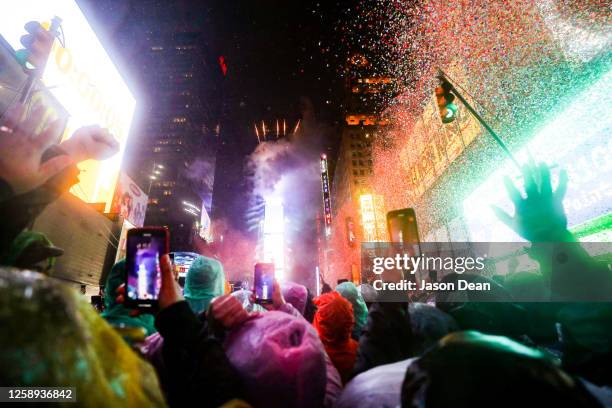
(578, 140)
(83, 78)
(373, 218)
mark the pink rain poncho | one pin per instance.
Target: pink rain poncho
(280, 359)
(295, 294)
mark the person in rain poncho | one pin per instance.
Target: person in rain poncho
(470, 369)
(205, 280)
(54, 338)
(334, 322)
(381, 386)
(295, 294)
(349, 291)
(280, 359)
(116, 313)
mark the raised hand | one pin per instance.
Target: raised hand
(21, 150)
(90, 142)
(227, 311)
(539, 216)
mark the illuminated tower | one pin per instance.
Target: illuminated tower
(274, 236)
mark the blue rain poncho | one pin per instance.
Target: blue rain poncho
(205, 280)
(349, 291)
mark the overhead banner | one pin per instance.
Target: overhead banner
(129, 201)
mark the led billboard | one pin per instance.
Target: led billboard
(84, 79)
(577, 140)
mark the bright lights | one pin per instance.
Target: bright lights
(584, 151)
(372, 218)
(84, 80)
(274, 236)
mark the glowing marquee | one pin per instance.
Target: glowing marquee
(84, 80)
(373, 217)
(326, 195)
(578, 140)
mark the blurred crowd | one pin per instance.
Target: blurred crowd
(343, 348)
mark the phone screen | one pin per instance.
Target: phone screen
(264, 282)
(144, 247)
(402, 225)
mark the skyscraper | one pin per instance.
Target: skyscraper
(358, 213)
(173, 151)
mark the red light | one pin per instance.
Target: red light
(223, 65)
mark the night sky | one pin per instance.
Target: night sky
(278, 55)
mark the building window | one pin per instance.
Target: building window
(361, 172)
(355, 172)
(153, 201)
(167, 192)
(361, 162)
(354, 162)
(157, 48)
(156, 149)
(179, 119)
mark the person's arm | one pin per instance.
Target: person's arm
(196, 365)
(539, 217)
(20, 210)
(387, 337)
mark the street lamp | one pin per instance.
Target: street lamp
(155, 171)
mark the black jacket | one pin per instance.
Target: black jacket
(387, 337)
(198, 373)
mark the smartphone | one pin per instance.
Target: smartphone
(144, 247)
(402, 225)
(403, 230)
(264, 282)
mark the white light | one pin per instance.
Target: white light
(188, 204)
(190, 211)
(153, 177)
(273, 236)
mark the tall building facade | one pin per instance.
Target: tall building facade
(180, 136)
(173, 152)
(358, 213)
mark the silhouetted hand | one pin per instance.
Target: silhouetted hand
(538, 217)
(21, 150)
(90, 142)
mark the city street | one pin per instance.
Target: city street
(348, 203)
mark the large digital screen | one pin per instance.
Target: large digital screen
(578, 140)
(84, 79)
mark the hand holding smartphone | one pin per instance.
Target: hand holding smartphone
(144, 248)
(264, 282)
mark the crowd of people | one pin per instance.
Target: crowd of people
(207, 346)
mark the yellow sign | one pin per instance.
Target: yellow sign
(84, 80)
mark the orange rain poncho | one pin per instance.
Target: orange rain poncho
(334, 322)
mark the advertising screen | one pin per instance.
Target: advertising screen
(84, 80)
(577, 140)
(129, 201)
